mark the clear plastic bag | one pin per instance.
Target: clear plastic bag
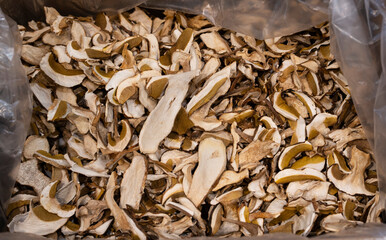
(358, 39)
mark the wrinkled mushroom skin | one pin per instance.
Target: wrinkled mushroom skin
(164, 126)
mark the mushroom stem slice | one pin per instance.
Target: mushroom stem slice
(122, 221)
(161, 120)
(133, 183)
(211, 164)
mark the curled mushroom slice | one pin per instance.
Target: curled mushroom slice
(256, 151)
(122, 221)
(299, 128)
(316, 162)
(206, 93)
(55, 160)
(290, 152)
(160, 121)
(276, 47)
(353, 182)
(75, 51)
(32, 55)
(133, 183)
(230, 177)
(216, 218)
(34, 144)
(183, 43)
(283, 108)
(62, 76)
(120, 143)
(344, 136)
(211, 164)
(156, 86)
(119, 77)
(214, 41)
(336, 222)
(30, 175)
(304, 223)
(307, 101)
(52, 205)
(309, 190)
(290, 175)
(126, 89)
(58, 110)
(37, 221)
(320, 124)
(82, 170)
(336, 158)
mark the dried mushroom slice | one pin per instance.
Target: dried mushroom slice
(59, 74)
(122, 221)
(160, 121)
(52, 205)
(290, 152)
(290, 175)
(133, 183)
(203, 130)
(211, 164)
(37, 221)
(353, 182)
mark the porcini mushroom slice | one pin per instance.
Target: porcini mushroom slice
(290, 152)
(336, 222)
(211, 164)
(55, 160)
(316, 162)
(299, 128)
(82, 170)
(161, 120)
(256, 151)
(32, 55)
(307, 101)
(320, 124)
(33, 144)
(183, 43)
(353, 182)
(126, 89)
(133, 183)
(344, 136)
(230, 177)
(30, 175)
(216, 218)
(214, 41)
(290, 175)
(43, 94)
(309, 190)
(52, 205)
(122, 221)
(283, 108)
(123, 140)
(62, 76)
(37, 221)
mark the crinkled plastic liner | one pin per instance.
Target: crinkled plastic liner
(358, 41)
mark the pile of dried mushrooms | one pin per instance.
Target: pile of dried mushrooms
(169, 127)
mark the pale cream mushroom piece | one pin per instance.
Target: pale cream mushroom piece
(122, 221)
(33, 144)
(43, 94)
(33, 55)
(211, 164)
(160, 121)
(57, 72)
(214, 41)
(133, 183)
(52, 205)
(30, 175)
(353, 182)
(37, 221)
